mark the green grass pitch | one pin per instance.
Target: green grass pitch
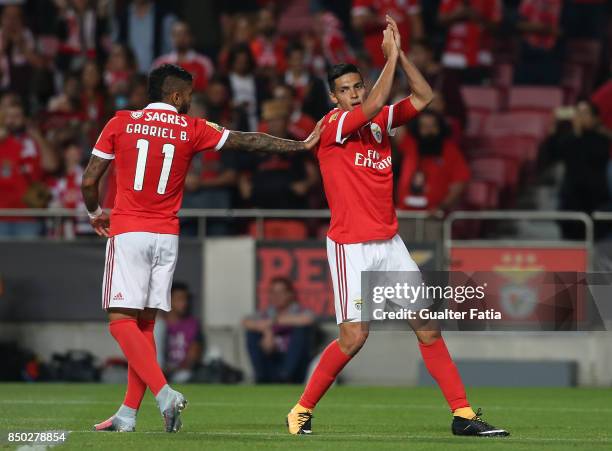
(252, 417)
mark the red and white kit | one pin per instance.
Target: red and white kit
(152, 149)
(355, 159)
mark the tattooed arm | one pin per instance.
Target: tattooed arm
(100, 220)
(262, 142)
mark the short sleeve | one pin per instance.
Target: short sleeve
(105, 145)
(208, 135)
(399, 114)
(341, 124)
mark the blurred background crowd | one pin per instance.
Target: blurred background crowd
(521, 118)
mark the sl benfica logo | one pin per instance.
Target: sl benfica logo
(376, 132)
(136, 114)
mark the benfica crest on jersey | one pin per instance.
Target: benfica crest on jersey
(376, 131)
(136, 114)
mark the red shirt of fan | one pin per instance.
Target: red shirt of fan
(468, 44)
(355, 163)
(400, 10)
(152, 149)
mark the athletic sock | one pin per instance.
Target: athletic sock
(136, 388)
(465, 412)
(138, 352)
(331, 363)
(442, 368)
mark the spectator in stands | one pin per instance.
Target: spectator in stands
(602, 98)
(279, 338)
(309, 90)
(220, 109)
(268, 46)
(331, 40)
(65, 190)
(198, 65)
(277, 180)
(24, 158)
(138, 98)
(248, 90)
(80, 30)
(236, 30)
(584, 151)
(211, 180)
(17, 52)
(145, 26)
(119, 70)
(368, 18)
(94, 101)
(541, 50)
(300, 124)
(184, 337)
(67, 102)
(433, 174)
(469, 26)
(447, 83)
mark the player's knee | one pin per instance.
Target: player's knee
(351, 342)
(427, 337)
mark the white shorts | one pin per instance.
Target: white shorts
(346, 261)
(139, 270)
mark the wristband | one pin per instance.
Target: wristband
(95, 214)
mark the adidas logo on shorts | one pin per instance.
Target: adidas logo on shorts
(118, 297)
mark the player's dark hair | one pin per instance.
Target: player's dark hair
(158, 78)
(338, 70)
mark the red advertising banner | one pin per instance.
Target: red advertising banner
(305, 264)
(528, 284)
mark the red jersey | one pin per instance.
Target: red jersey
(355, 160)
(468, 44)
(152, 149)
(400, 10)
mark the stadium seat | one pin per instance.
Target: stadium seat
(480, 195)
(519, 148)
(526, 124)
(490, 169)
(475, 123)
(481, 98)
(281, 229)
(535, 98)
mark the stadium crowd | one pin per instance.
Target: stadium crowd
(67, 65)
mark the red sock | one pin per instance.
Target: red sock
(136, 388)
(442, 368)
(331, 363)
(139, 353)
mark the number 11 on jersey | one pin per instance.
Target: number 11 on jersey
(143, 149)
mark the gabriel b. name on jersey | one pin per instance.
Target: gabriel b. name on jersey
(155, 130)
(372, 160)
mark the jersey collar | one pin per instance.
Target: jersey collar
(160, 106)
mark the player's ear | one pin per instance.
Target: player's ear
(333, 98)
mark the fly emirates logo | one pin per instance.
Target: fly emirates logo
(372, 160)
